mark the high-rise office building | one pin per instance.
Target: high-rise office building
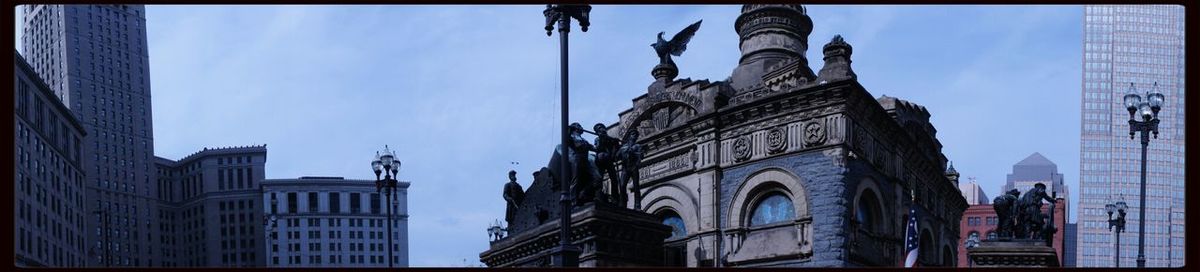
(93, 57)
(1143, 45)
(210, 213)
(48, 176)
(1033, 170)
(973, 193)
(333, 222)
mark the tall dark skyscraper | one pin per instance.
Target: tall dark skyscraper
(1139, 44)
(94, 58)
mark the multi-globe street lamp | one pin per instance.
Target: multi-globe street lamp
(1119, 224)
(386, 163)
(1148, 110)
(565, 255)
(496, 231)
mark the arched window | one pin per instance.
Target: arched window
(867, 211)
(774, 208)
(991, 235)
(670, 218)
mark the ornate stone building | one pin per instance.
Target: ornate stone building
(781, 166)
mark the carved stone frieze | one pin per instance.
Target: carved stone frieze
(776, 140)
(672, 165)
(814, 133)
(741, 149)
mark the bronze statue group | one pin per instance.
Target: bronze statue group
(590, 162)
(1021, 217)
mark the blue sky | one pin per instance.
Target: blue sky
(462, 91)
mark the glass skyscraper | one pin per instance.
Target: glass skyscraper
(1139, 44)
(94, 59)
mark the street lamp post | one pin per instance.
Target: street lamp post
(565, 255)
(1119, 224)
(1149, 112)
(387, 164)
(107, 238)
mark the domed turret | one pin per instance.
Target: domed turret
(770, 34)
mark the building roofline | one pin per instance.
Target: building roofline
(45, 89)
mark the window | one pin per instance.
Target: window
(375, 203)
(335, 203)
(772, 209)
(867, 211)
(670, 218)
(241, 183)
(355, 198)
(291, 202)
(312, 202)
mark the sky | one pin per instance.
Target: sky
(466, 93)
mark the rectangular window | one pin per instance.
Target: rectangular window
(355, 198)
(312, 202)
(240, 182)
(375, 203)
(292, 202)
(335, 203)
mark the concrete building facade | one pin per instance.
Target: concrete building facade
(48, 176)
(332, 222)
(210, 211)
(94, 59)
(973, 193)
(1139, 44)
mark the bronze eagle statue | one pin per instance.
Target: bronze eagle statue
(676, 45)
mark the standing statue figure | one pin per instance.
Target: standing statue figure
(676, 45)
(1005, 206)
(1031, 221)
(513, 195)
(584, 174)
(630, 155)
(606, 153)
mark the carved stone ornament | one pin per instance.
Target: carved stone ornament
(776, 140)
(814, 133)
(741, 149)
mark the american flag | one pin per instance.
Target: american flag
(911, 240)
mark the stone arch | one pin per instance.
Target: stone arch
(674, 197)
(759, 185)
(869, 188)
(647, 113)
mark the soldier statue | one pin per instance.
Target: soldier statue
(606, 153)
(513, 195)
(630, 155)
(1005, 206)
(1031, 222)
(584, 176)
